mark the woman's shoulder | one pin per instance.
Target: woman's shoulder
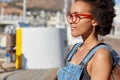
(102, 54)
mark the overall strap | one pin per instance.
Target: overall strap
(92, 51)
(115, 55)
(72, 52)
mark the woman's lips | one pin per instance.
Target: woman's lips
(73, 28)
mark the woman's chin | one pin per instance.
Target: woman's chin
(74, 35)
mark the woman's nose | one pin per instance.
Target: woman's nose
(70, 21)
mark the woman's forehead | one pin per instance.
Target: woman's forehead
(80, 7)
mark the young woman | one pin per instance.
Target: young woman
(88, 19)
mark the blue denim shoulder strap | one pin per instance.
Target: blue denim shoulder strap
(115, 55)
(92, 51)
(72, 52)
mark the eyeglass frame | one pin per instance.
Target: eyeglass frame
(77, 15)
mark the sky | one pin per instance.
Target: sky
(9, 0)
(21, 0)
(117, 1)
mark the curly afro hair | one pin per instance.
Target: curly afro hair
(103, 11)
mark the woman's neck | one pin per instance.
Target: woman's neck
(90, 40)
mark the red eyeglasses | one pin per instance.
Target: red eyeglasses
(76, 17)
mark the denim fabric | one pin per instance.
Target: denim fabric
(70, 72)
(73, 72)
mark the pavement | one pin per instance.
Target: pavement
(8, 71)
(29, 74)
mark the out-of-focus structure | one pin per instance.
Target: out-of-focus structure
(29, 13)
(117, 20)
(38, 13)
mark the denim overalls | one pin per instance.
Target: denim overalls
(71, 71)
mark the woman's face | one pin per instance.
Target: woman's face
(82, 25)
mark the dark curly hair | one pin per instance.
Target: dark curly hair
(103, 11)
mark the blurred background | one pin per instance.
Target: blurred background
(39, 14)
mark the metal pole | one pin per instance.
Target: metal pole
(24, 9)
(72, 1)
(65, 6)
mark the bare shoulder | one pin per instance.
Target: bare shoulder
(102, 57)
(102, 53)
(101, 61)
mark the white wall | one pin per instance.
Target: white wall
(43, 47)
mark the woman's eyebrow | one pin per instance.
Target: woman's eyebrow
(75, 12)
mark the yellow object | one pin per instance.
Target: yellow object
(18, 48)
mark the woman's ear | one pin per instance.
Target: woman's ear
(94, 22)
